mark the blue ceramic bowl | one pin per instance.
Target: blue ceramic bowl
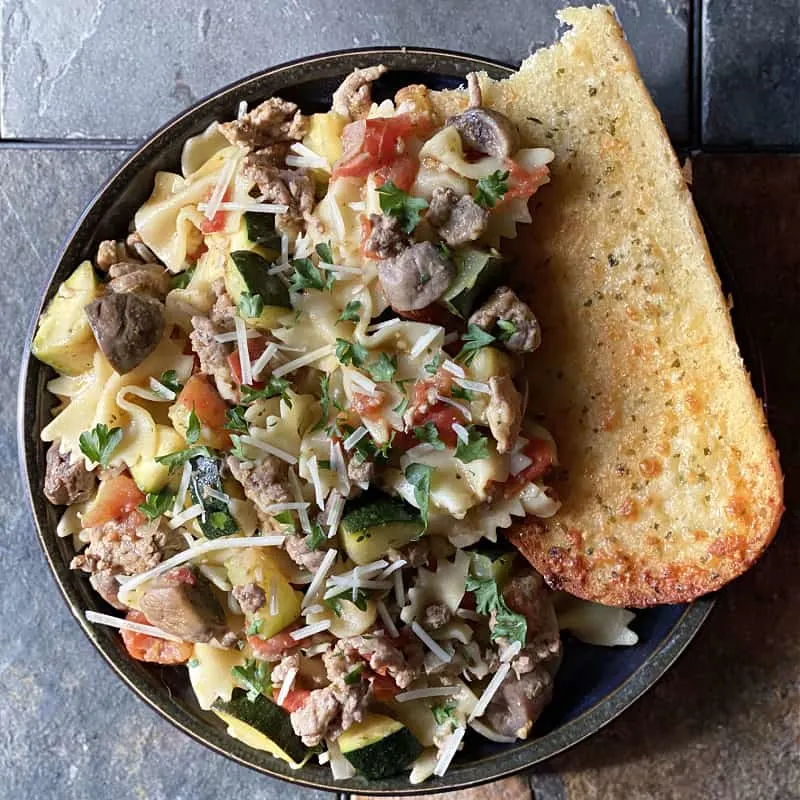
(594, 684)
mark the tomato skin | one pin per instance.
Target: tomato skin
(296, 698)
(116, 498)
(369, 144)
(274, 648)
(152, 649)
(384, 688)
(217, 222)
(442, 416)
(255, 347)
(524, 183)
(199, 394)
(402, 172)
(368, 406)
(540, 452)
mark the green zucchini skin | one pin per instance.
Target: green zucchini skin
(478, 271)
(376, 523)
(268, 719)
(252, 268)
(218, 520)
(379, 747)
(260, 230)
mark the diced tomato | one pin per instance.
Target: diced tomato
(116, 499)
(295, 699)
(442, 416)
(200, 395)
(255, 347)
(402, 172)
(369, 144)
(384, 688)
(217, 222)
(275, 647)
(540, 452)
(152, 649)
(368, 406)
(524, 183)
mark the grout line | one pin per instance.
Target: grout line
(69, 144)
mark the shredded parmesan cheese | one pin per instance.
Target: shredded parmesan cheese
(276, 508)
(433, 646)
(319, 493)
(312, 159)
(363, 382)
(379, 326)
(242, 109)
(319, 578)
(268, 448)
(355, 437)
(461, 432)
(493, 736)
(230, 336)
(511, 651)
(286, 685)
(186, 515)
(183, 487)
(297, 491)
(215, 201)
(126, 624)
(335, 515)
(473, 386)
(310, 630)
(399, 564)
(399, 588)
(269, 353)
(424, 341)
(258, 208)
(273, 596)
(386, 618)
(449, 751)
(244, 353)
(518, 462)
(164, 392)
(490, 691)
(338, 219)
(455, 404)
(308, 358)
(430, 691)
(453, 368)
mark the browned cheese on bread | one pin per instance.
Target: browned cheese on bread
(669, 477)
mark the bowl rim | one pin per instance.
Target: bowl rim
(489, 768)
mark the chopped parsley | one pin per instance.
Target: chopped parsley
(397, 203)
(99, 443)
(444, 713)
(193, 428)
(255, 626)
(250, 305)
(316, 538)
(473, 340)
(401, 407)
(285, 518)
(508, 624)
(507, 329)
(308, 276)
(461, 393)
(433, 365)
(334, 603)
(237, 450)
(383, 368)
(156, 503)
(276, 387)
(490, 190)
(354, 676)
(324, 252)
(429, 434)
(254, 676)
(324, 402)
(477, 446)
(350, 312)
(170, 380)
(180, 457)
(235, 421)
(350, 353)
(419, 476)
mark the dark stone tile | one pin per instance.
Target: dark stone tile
(70, 728)
(89, 68)
(723, 723)
(751, 73)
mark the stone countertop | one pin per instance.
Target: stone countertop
(725, 721)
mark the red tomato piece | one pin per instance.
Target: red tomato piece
(295, 699)
(369, 144)
(255, 347)
(276, 646)
(217, 222)
(368, 406)
(402, 172)
(117, 498)
(152, 649)
(540, 452)
(524, 183)
(384, 688)
(443, 416)
(206, 401)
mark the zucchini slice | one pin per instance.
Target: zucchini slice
(379, 746)
(477, 270)
(217, 520)
(377, 523)
(246, 271)
(263, 725)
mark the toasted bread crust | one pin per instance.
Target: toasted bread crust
(669, 476)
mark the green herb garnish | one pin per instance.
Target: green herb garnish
(477, 447)
(99, 443)
(461, 393)
(316, 538)
(180, 457)
(235, 421)
(307, 276)
(276, 387)
(383, 368)
(181, 280)
(429, 434)
(507, 329)
(334, 603)
(445, 713)
(508, 624)
(156, 503)
(354, 676)
(350, 353)
(419, 476)
(254, 676)
(193, 428)
(473, 340)
(250, 305)
(170, 380)
(490, 190)
(397, 203)
(350, 312)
